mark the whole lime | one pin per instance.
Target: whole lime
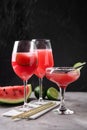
(37, 91)
(52, 93)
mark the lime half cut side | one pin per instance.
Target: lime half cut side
(52, 93)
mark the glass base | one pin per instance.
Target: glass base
(23, 109)
(42, 102)
(66, 112)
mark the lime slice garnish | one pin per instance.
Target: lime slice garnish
(78, 64)
(52, 93)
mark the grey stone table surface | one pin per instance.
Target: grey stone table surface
(51, 121)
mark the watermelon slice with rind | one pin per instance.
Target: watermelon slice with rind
(14, 94)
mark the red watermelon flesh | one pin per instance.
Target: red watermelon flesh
(22, 59)
(14, 94)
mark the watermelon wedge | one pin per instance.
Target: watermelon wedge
(14, 94)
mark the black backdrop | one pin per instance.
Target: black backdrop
(62, 21)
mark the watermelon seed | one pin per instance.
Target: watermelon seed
(5, 91)
(20, 91)
(14, 92)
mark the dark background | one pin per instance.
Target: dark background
(62, 21)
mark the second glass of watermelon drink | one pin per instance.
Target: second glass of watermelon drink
(24, 62)
(62, 76)
(45, 60)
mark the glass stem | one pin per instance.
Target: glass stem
(25, 98)
(41, 89)
(62, 94)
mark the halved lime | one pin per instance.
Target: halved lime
(37, 91)
(52, 93)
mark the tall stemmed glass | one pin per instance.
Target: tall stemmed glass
(24, 62)
(62, 76)
(45, 60)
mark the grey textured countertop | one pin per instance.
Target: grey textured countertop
(50, 121)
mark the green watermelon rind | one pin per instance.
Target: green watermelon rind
(16, 101)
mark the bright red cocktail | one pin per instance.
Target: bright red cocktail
(24, 64)
(62, 76)
(45, 60)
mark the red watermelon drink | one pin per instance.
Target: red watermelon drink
(24, 64)
(62, 76)
(45, 60)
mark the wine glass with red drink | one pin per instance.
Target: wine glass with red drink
(24, 62)
(62, 76)
(45, 60)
